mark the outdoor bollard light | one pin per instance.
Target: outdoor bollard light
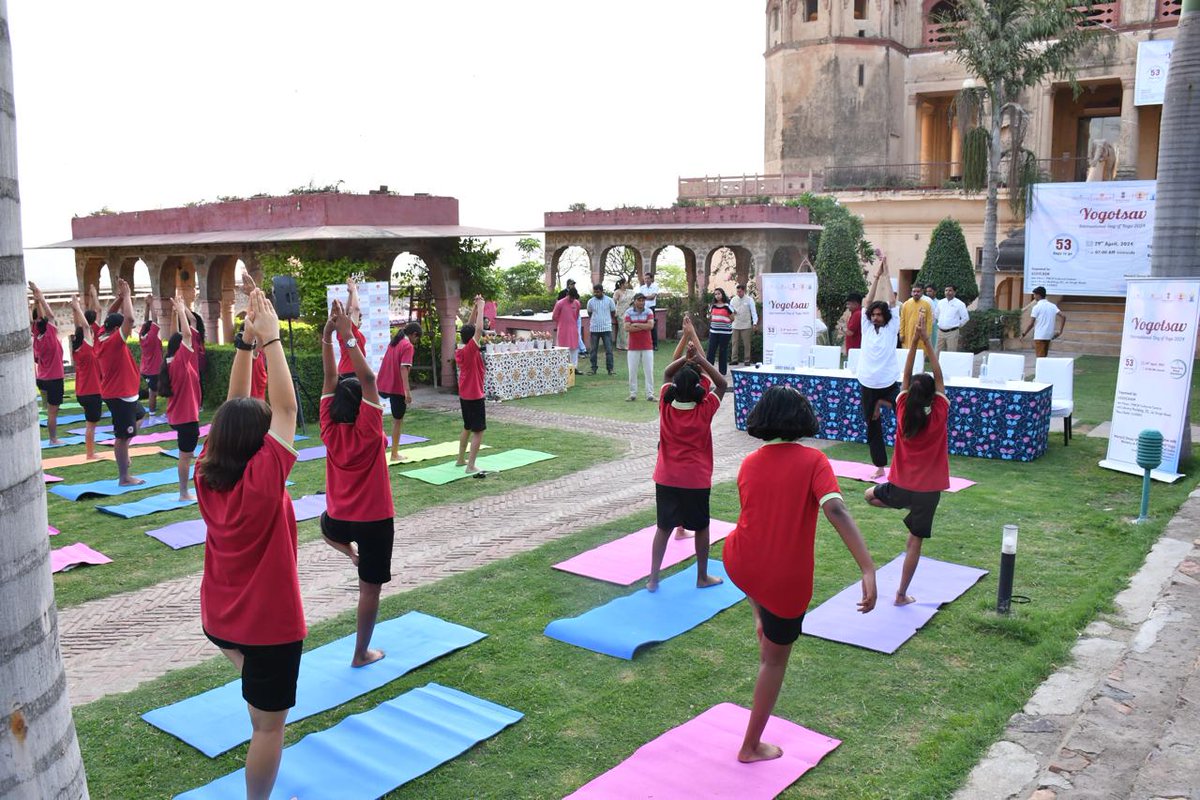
(1149, 456)
(1008, 561)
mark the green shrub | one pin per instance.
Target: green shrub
(839, 272)
(947, 261)
(995, 323)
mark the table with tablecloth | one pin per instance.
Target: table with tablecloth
(525, 373)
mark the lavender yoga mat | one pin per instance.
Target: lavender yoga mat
(313, 453)
(151, 438)
(698, 759)
(75, 554)
(888, 626)
(862, 472)
(189, 532)
(627, 559)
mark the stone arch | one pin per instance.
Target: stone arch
(219, 283)
(88, 269)
(789, 258)
(579, 256)
(639, 262)
(686, 255)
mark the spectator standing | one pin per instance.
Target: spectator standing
(853, 340)
(1042, 321)
(602, 312)
(745, 321)
(951, 316)
(651, 291)
(622, 299)
(638, 321)
(566, 319)
(909, 312)
(720, 329)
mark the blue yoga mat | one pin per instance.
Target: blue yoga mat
(216, 720)
(167, 501)
(63, 441)
(68, 419)
(621, 626)
(370, 754)
(111, 488)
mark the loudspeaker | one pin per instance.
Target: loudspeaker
(286, 296)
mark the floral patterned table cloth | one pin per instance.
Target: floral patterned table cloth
(1008, 421)
(525, 373)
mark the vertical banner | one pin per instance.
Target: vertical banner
(789, 307)
(374, 302)
(1154, 374)
(1150, 79)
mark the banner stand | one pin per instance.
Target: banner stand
(789, 304)
(1134, 469)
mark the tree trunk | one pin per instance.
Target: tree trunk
(38, 749)
(987, 271)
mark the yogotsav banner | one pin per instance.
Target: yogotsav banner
(789, 311)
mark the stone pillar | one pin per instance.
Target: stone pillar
(689, 271)
(444, 281)
(226, 311)
(702, 268)
(208, 306)
(551, 261)
(926, 156)
(597, 264)
(956, 144)
(911, 130)
(1127, 146)
(1043, 120)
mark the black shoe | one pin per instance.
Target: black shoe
(593, 372)
(610, 372)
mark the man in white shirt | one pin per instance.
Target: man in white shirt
(745, 320)
(878, 373)
(650, 291)
(951, 315)
(1042, 320)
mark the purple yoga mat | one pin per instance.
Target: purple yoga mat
(888, 626)
(75, 554)
(627, 559)
(190, 532)
(313, 453)
(862, 472)
(699, 759)
(152, 438)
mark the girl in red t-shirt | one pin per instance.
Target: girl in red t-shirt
(393, 380)
(769, 555)
(178, 381)
(921, 462)
(150, 342)
(683, 473)
(87, 373)
(250, 603)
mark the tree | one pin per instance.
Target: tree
(528, 277)
(38, 747)
(1010, 46)
(824, 209)
(621, 262)
(839, 271)
(476, 265)
(948, 261)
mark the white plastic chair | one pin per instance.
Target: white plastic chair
(852, 359)
(826, 356)
(902, 359)
(956, 365)
(1060, 374)
(1006, 366)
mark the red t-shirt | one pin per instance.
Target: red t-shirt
(358, 488)
(87, 372)
(389, 379)
(152, 352)
(345, 365)
(258, 375)
(769, 555)
(685, 450)
(854, 330)
(250, 592)
(119, 377)
(922, 463)
(470, 371)
(640, 340)
(183, 405)
(47, 353)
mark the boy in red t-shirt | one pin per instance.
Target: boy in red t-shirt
(120, 381)
(48, 360)
(470, 390)
(87, 373)
(179, 382)
(393, 380)
(921, 461)
(769, 555)
(150, 342)
(639, 322)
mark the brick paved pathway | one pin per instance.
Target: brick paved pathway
(114, 644)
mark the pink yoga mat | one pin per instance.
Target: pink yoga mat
(627, 559)
(699, 759)
(75, 554)
(48, 478)
(53, 531)
(862, 472)
(151, 438)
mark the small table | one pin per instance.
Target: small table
(1008, 421)
(525, 373)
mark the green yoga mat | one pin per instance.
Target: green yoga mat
(414, 454)
(497, 462)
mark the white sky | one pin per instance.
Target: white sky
(515, 108)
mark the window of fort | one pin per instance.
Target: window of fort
(940, 16)
(810, 10)
(1102, 15)
(1080, 124)
(1167, 9)
(774, 31)
(860, 9)
(939, 144)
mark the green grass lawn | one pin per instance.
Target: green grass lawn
(913, 724)
(139, 560)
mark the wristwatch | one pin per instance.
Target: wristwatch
(240, 343)
(352, 343)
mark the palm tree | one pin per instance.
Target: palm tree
(1177, 205)
(37, 735)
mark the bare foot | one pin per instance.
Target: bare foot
(370, 658)
(708, 580)
(680, 533)
(878, 473)
(764, 752)
(185, 498)
(652, 585)
(460, 463)
(472, 470)
(904, 599)
(130, 481)
(398, 457)
(56, 441)
(92, 457)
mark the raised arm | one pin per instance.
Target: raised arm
(352, 309)
(80, 320)
(922, 336)
(719, 383)
(181, 320)
(126, 297)
(839, 517)
(43, 307)
(328, 362)
(689, 335)
(477, 317)
(243, 360)
(92, 299)
(911, 360)
(279, 375)
(362, 370)
(151, 315)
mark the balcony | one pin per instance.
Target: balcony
(748, 186)
(940, 23)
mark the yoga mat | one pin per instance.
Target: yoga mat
(189, 532)
(73, 555)
(367, 755)
(621, 626)
(862, 472)
(67, 419)
(309, 507)
(167, 501)
(627, 559)
(110, 487)
(151, 438)
(216, 720)
(497, 462)
(53, 531)
(50, 478)
(888, 626)
(103, 455)
(430, 452)
(313, 453)
(63, 441)
(699, 759)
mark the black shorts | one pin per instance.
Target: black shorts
(269, 672)
(124, 416)
(189, 435)
(151, 381)
(686, 507)
(779, 630)
(374, 541)
(399, 406)
(92, 406)
(53, 387)
(474, 415)
(921, 506)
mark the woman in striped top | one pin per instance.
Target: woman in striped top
(720, 329)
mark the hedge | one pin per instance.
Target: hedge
(995, 323)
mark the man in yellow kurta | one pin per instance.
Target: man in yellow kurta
(909, 312)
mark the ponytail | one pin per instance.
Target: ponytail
(916, 405)
(164, 372)
(77, 339)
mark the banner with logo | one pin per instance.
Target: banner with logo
(374, 302)
(1088, 238)
(1154, 375)
(1150, 80)
(789, 306)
